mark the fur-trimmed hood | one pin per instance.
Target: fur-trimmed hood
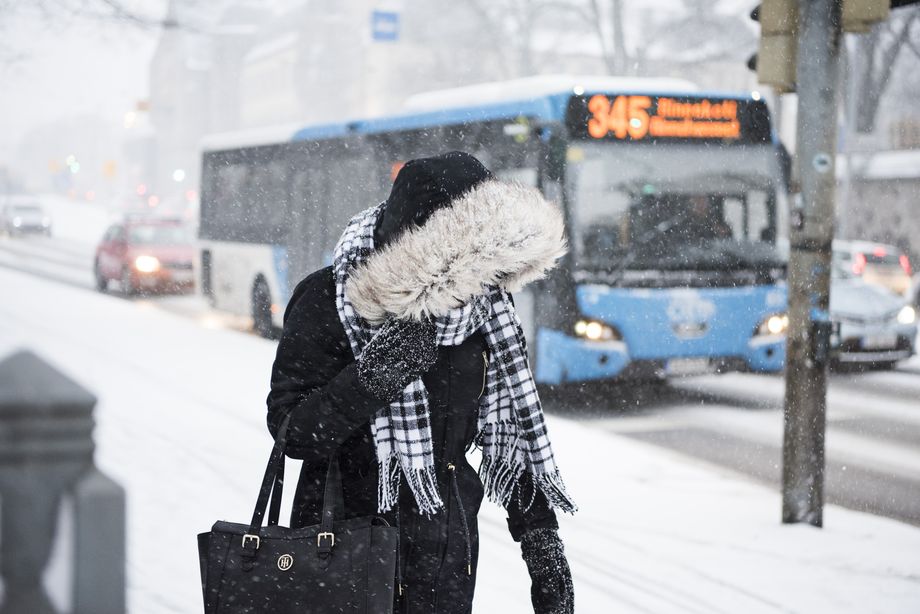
(497, 234)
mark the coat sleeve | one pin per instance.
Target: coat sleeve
(529, 509)
(314, 376)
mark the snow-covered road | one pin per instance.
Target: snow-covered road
(181, 425)
(735, 421)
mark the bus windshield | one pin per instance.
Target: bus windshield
(673, 207)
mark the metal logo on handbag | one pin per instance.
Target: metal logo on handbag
(285, 562)
(343, 566)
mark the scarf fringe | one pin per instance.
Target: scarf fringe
(553, 487)
(503, 465)
(387, 484)
(499, 477)
(422, 482)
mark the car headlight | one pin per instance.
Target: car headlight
(777, 324)
(592, 330)
(17, 222)
(147, 264)
(907, 315)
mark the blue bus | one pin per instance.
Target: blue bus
(674, 201)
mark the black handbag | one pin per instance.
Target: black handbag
(346, 566)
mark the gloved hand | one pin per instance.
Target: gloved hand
(551, 589)
(401, 351)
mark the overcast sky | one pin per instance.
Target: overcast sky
(68, 67)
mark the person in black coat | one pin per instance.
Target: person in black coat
(332, 399)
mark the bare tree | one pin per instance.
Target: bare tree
(59, 13)
(701, 34)
(512, 28)
(875, 57)
(613, 44)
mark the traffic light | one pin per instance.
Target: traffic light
(779, 19)
(775, 57)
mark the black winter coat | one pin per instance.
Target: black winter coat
(314, 378)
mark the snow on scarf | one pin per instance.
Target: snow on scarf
(458, 268)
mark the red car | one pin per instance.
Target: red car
(146, 256)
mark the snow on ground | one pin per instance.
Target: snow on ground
(181, 426)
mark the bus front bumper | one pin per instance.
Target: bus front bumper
(561, 358)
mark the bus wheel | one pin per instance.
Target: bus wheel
(262, 310)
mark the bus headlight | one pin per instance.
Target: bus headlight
(147, 264)
(777, 324)
(592, 330)
(907, 315)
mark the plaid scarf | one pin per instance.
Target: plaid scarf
(511, 429)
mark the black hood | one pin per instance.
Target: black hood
(425, 185)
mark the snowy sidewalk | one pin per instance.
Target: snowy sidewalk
(181, 425)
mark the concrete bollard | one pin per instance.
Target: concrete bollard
(99, 549)
(46, 449)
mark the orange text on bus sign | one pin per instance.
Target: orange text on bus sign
(632, 116)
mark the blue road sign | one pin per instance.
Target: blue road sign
(384, 25)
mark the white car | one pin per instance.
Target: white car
(877, 263)
(877, 326)
(24, 218)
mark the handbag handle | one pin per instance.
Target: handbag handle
(273, 484)
(333, 499)
(270, 479)
(274, 507)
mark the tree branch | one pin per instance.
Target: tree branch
(874, 83)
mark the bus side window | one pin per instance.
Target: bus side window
(355, 180)
(268, 200)
(308, 210)
(230, 200)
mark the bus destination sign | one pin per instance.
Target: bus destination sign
(668, 118)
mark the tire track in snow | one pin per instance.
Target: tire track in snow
(655, 584)
(69, 261)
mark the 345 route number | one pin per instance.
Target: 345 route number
(625, 115)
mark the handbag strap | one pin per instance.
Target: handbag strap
(274, 507)
(273, 486)
(333, 500)
(270, 480)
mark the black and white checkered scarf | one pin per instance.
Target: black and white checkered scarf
(512, 433)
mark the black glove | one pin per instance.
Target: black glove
(551, 589)
(401, 351)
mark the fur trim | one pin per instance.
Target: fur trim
(497, 234)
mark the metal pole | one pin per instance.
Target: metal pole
(848, 90)
(811, 233)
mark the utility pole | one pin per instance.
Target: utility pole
(811, 234)
(799, 51)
